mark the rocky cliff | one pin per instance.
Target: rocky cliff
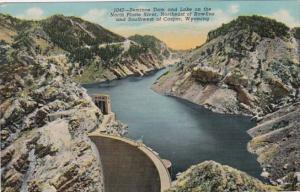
(89, 52)
(276, 141)
(212, 176)
(249, 66)
(45, 118)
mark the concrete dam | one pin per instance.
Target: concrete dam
(130, 166)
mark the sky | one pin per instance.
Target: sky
(177, 35)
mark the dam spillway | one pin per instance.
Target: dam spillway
(130, 166)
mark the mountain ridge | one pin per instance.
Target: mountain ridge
(84, 46)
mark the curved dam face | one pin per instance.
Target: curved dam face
(129, 166)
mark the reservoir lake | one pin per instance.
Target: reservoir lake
(182, 132)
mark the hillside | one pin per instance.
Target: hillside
(238, 70)
(39, 153)
(248, 66)
(88, 51)
(212, 176)
(45, 117)
(152, 43)
(265, 28)
(277, 144)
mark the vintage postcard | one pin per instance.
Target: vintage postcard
(150, 96)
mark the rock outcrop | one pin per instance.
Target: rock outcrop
(45, 118)
(210, 176)
(243, 68)
(276, 141)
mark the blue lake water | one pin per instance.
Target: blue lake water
(182, 132)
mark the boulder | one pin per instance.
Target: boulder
(206, 74)
(236, 78)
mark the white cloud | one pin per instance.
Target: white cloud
(96, 15)
(234, 9)
(285, 17)
(221, 17)
(32, 13)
